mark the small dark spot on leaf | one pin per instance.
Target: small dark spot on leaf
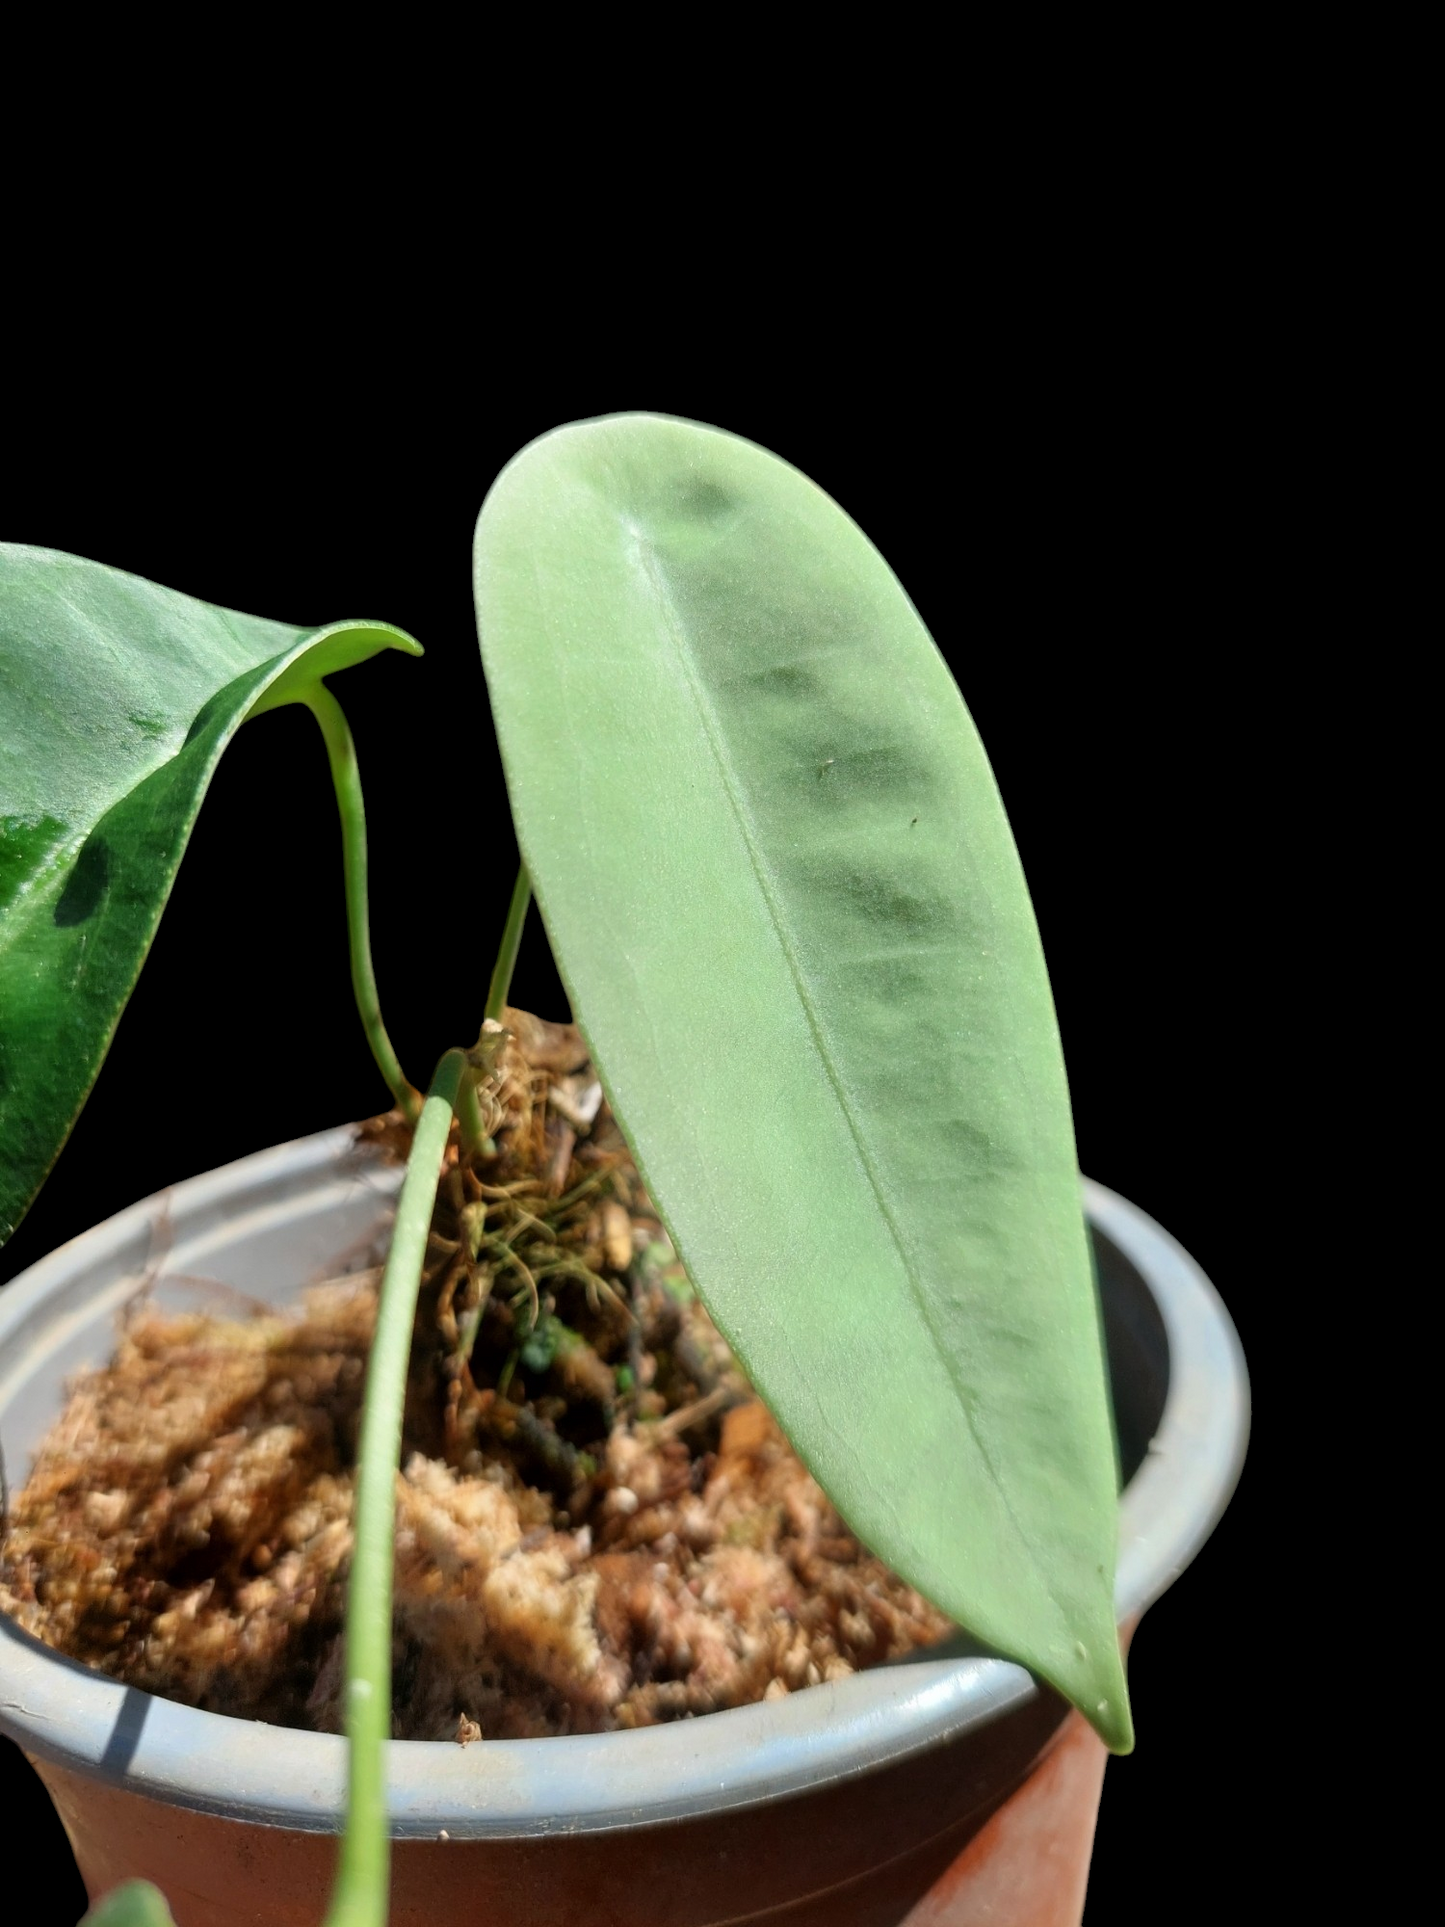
(706, 501)
(152, 726)
(89, 880)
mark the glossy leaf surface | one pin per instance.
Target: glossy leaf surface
(117, 698)
(786, 902)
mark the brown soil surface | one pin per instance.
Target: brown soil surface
(598, 1524)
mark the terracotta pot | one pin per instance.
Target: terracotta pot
(945, 1789)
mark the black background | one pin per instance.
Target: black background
(1080, 523)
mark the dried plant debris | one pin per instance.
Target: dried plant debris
(598, 1524)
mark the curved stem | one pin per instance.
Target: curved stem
(469, 1117)
(346, 778)
(511, 941)
(361, 1894)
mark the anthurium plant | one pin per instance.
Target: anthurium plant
(782, 893)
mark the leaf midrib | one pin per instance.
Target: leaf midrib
(732, 786)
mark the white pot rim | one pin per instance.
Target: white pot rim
(76, 1718)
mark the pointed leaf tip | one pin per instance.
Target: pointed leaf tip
(785, 900)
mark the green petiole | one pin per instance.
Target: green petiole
(501, 982)
(346, 777)
(469, 1115)
(360, 1897)
(363, 1877)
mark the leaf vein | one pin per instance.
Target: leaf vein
(733, 786)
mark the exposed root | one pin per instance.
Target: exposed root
(598, 1524)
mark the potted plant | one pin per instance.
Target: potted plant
(727, 718)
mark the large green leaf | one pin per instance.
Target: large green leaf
(786, 902)
(118, 699)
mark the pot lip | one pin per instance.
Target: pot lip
(62, 1712)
